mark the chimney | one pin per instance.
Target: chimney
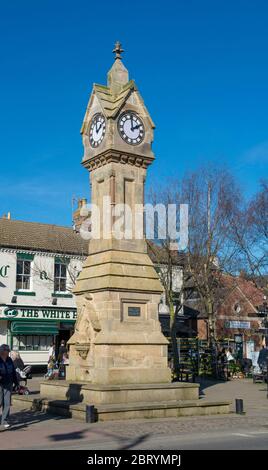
(82, 202)
(6, 216)
(78, 216)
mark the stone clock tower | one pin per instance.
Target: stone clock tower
(118, 339)
(118, 354)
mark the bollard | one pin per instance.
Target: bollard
(90, 414)
(239, 406)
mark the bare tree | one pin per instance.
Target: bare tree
(168, 261)
(212, 198)
(64, 257)
(170, 270)
(250, 232)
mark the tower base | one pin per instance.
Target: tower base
(124, 402)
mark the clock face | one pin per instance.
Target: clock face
(131, 128)
(97, 130)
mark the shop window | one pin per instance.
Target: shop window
(15, 343)
(32, 343)
(60, 277)
(29, 343)
(36, 343)
(23, 274)
(43, 344)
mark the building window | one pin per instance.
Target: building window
(191, 294)
(32, 343)
(237, 308)
(60, 277)
(23, 274)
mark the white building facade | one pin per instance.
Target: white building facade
(38, 267)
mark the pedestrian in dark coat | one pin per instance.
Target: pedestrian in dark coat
(8, 377)
(62, 351)
(263, 358)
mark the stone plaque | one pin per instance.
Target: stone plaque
(134, 311)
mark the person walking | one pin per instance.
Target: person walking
(263, 358)
(63, 364)
(51, 353)
(62, 351)
(223, 363)
(230, 362)
(8, 377)
(229, 355)
(51, 361)
(62, 354)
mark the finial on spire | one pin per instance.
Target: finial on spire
(118, 74)
(118, 50)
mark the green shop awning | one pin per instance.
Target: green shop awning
(34, 328)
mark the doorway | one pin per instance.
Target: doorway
(63, 335)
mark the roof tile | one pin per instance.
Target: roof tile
(41, 237)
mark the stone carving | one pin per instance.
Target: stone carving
(86, 327)
(83, 350)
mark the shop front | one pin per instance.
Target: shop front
(243, 336)
(31, 330)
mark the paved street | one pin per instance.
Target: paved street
(250, 431)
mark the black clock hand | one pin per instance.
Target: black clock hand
(98, 128)
(132, 128)
(136, 127)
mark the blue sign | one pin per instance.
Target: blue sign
(245, 325)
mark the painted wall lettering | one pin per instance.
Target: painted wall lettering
(4, 271)
(43, 275)
(46, 313)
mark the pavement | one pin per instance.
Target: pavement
(37, 430)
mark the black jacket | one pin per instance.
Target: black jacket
(8, 375)
(62, 350)
(263, 357)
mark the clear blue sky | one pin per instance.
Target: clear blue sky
(201, 67)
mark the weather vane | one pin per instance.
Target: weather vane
(118, 50)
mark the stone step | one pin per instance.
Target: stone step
(124, 393)
(123, 411)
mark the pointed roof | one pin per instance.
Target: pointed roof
(118, 75)
(111, 102)
(113, 96)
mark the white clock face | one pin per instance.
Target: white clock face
(131, 128)
(97, 130)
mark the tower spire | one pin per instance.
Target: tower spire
(118, 74)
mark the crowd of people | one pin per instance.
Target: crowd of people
(224, 362)
(228, 362)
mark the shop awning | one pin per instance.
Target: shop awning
(34, 328)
